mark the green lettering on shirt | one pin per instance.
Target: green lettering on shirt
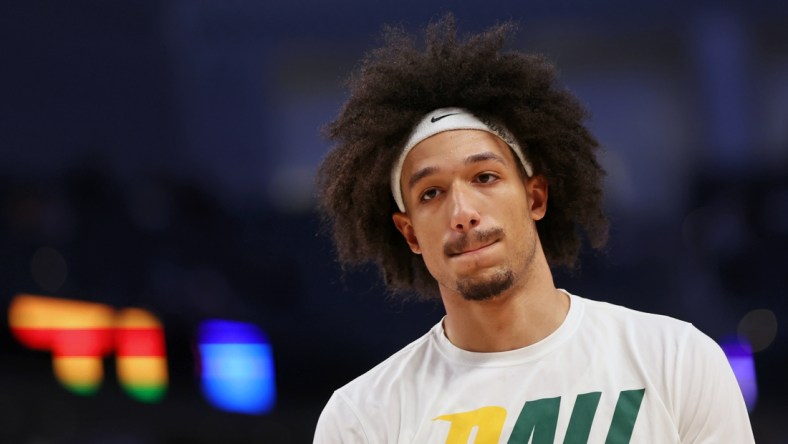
(624, 416)
(582, 416)
(538, 417)
(538, 421)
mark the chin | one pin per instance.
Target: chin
(486, 288)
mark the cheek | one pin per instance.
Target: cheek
(431, 246)
(517, 206)
(429, 242)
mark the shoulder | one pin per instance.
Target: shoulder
(358, 411)
(634, 324)
(658, 342)
(340, 422)
(599, 310)
(696, 379)
(389, 372)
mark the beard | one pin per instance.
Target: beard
(485, 289)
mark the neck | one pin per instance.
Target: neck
(521, 316)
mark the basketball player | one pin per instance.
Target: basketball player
(465, 173)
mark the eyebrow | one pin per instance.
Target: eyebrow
(481, 157)
(474, 158)
(421, 174)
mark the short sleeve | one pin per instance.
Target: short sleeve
(339, 423)
(711, 406)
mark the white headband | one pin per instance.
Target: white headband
(448, 119)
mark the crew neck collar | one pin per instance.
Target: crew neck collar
(512, 357)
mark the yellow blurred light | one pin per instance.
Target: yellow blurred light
(79, 370)
(29, 311)
(136, 318)
(142, 369)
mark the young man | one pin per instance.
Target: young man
(489, 175)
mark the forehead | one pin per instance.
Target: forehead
(444, 148)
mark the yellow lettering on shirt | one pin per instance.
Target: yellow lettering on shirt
(487, 420)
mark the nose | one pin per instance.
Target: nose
(464, 214)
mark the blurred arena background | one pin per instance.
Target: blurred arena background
(160, 155)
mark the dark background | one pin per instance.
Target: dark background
(160, 154)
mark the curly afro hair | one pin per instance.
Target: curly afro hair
(396, 86)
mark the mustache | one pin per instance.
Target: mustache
(460, 244)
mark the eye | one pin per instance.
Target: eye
(429, 194)
(486, 178)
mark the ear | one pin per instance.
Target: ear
(536, 188)
(403, 224)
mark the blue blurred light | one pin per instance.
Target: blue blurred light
(740, 357)
(237, 367)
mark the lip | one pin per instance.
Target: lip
(473, 251)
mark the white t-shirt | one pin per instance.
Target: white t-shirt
(607, 374)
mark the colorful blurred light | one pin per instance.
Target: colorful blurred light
(141, 359)
(237, 369)
(740, 358)
(80, 334)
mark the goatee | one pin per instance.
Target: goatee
(473, 290)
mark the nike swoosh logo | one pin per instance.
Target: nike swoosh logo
(435, 119)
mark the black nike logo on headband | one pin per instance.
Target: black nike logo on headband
(435, 119)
